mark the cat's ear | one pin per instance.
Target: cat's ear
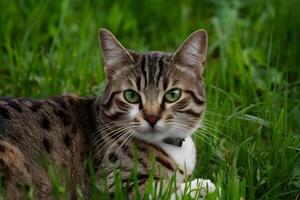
(115, 55)
(192, 51)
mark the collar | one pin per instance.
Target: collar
(174, 141)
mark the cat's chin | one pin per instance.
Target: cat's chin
(152, 137)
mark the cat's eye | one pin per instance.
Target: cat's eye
(131, 96)
(173, 95)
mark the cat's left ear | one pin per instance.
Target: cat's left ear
(192, 52)
(115, 55)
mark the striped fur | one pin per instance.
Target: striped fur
(65, 129)
(151, 75)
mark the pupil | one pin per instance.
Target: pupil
(173, 94)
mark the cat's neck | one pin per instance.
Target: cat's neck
(184, 156)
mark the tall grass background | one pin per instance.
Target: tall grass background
(249, 144)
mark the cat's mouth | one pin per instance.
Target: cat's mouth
(157, 129)
(152, 131)
(160, 134)
(157, 137)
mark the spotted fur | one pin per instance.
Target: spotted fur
(64, 129)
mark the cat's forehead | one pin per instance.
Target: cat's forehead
(154, 55)
(152, 68)
(153, 73)
(154, 59)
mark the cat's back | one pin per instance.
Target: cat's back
(32, 122)
(34, 129)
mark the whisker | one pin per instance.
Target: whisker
(105, 134)
(109, 125)
(116, 142)
(107, 144)
(102, 135)
(204, 137)
(125, 142)
(105, 125)
(111, 136)
(221, 123)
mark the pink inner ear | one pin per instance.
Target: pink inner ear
(193, 50)
(115, 55)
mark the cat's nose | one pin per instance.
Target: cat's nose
(152, 119)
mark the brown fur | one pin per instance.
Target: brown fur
(50, 130)
(62, 131)
(26, 142)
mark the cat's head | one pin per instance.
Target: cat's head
(154, 95)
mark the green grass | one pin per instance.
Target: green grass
(252, 144)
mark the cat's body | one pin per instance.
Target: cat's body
(55, 129)
(151, 106)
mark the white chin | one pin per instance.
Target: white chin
(156, 137)
(150, 137)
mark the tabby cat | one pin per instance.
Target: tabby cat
(152, 104)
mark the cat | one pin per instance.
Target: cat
(152, 104)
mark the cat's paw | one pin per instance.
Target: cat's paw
(203, 183)
(199, 188)
(196, 189)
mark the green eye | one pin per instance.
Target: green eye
(131, 96)
(173, 95)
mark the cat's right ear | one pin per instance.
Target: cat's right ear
(115, 55)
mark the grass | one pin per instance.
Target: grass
(252, 144)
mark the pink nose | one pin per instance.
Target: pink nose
(151, 119)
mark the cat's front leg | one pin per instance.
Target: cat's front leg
(197, 189)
